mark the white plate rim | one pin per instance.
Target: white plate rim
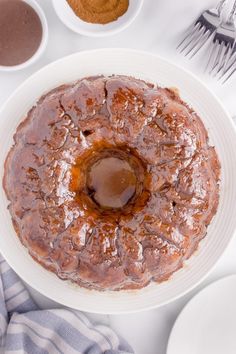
(59, 299)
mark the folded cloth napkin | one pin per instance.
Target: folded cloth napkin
(24, 328)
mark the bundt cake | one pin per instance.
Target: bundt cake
(111, 182)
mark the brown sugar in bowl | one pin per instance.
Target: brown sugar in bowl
(78, 25)
(99, 11)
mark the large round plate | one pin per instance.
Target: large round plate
(207, 324)
(222, 135)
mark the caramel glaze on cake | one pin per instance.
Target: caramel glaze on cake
(111, 182)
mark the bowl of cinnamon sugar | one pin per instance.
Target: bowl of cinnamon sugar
(97, 18)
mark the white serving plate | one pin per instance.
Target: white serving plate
(207, 324)
(69, 18)
(222, 134)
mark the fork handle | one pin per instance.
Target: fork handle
(221, 5)
(233, 12)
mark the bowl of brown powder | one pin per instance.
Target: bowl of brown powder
(97, 18)
(24, 33)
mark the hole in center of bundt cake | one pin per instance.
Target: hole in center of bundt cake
(111, 182)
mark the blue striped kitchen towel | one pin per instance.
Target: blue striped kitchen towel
(25, 329)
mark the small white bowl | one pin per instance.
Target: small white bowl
(69, 18)
(42, 45)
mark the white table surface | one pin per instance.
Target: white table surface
(158, 29)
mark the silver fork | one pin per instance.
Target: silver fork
(230, 68)
(202, 29)
(223, 44)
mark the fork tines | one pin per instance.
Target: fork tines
(221, 52)
(222, 59)
(202, 30)
(223, 46)
(229, 68)
(196, 38)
